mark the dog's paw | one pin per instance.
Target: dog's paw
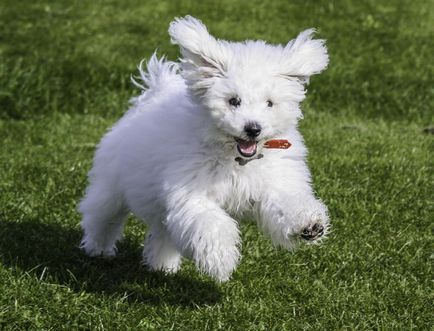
(316, 227)
(167, 267)
(92, 249)
(313, 232)
(218, 262)
(217, 254)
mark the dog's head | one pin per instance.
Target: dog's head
(251, 89)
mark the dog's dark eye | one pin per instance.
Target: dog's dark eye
(269, 103)
(235, 102)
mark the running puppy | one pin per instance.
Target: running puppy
(211, 137)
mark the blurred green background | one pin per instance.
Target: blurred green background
(65, 69)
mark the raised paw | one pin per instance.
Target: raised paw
(312, 232)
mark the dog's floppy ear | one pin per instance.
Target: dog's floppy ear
(203, 56)
(304, 56)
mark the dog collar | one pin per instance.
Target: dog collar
(270, 144)
(277, 143)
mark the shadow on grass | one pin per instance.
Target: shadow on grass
(50, 252)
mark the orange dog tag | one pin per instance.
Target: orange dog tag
(277, 143)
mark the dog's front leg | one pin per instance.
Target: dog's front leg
(290, 216)
(204, 232)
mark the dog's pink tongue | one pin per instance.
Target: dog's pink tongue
(247, 146)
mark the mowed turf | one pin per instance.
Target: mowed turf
(65, 70)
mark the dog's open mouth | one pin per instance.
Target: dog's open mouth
(246, 148)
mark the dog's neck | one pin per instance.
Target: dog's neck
(243, 162)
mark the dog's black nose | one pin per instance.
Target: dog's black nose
(252, 129)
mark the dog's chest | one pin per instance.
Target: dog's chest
(235, 191)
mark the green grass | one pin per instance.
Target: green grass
(64, 79)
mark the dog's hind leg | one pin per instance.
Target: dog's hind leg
(104, 214)
(160, 252)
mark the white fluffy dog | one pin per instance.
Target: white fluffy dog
(190, 156)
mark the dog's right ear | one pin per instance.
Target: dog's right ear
(204, 57)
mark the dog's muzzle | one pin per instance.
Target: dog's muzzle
(246, 148)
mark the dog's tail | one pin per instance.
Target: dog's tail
(159, 74)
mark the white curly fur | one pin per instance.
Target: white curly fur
(171, 159)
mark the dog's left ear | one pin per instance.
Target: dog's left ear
(203, 56)
(304, 57)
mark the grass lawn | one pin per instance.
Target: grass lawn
(65, 71)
